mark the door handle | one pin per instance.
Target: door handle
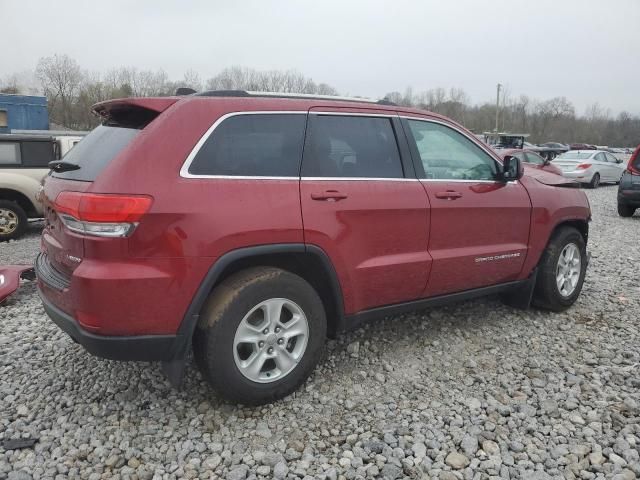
(448, 195)
(329, 196)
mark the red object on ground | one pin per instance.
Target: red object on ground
(10, 276)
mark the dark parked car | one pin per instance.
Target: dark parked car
(582, 146)
(252, 226)
(629, 187)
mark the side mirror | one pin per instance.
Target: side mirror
(512, 169)
(618, 160)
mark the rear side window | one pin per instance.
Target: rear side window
(345, 146)
(37, 154)
(95, 151)
(9, 153)
(253, 145)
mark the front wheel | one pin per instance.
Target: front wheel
(260, 335)
(561, 271)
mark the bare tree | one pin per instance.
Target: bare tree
(191, 79)
(60, 77)
(242, 78)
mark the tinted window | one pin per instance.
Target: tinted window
(37, 154)
(344, 146)
(447, 154)
(264, 145)
(9, 153)
(535, 159)
(95, 151)
(600, 157)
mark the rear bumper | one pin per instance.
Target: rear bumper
(579, 175)
(629, 197)
(139, 347)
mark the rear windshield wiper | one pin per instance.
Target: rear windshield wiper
(62, 166)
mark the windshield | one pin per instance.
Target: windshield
(574, 155)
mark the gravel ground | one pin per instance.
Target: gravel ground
(475, 390)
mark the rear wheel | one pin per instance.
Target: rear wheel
(13, 220)
(625, 210)
(561, 271)
(260, 335)
(595, 181)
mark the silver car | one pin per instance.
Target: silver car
(591, 167)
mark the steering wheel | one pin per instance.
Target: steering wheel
(481, 171)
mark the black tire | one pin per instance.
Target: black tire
(547, 294)
(15, 212)
(595, 181)
(227, 305)
(625, 210)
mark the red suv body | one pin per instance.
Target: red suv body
(378, 208)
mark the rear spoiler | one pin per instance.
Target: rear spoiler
(132, 112)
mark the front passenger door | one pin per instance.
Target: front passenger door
(479, 224)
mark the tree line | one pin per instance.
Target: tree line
(71, 91)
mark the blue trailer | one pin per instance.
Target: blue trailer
(23, 112)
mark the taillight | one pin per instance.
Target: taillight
(583, 166)
(103, 215)
(633, 167)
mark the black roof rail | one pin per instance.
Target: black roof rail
(184, 91)
(223, 93)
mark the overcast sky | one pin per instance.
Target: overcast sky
(586, 50)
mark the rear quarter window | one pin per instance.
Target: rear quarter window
(253, 145)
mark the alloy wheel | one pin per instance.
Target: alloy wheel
(568, 269)
(270, 340)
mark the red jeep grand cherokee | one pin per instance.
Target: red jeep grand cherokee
(252, 226)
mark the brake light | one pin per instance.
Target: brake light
(103, 215)
(634, 163)
(583, 166)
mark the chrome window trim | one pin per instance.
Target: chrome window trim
(352, 114)
(358, 179)
(184, 170)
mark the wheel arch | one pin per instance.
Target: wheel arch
(20, 198)
(307, 261)
(580, 224)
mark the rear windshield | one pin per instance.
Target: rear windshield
(95, 151)
(574, 156)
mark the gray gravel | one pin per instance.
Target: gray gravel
(471, 391)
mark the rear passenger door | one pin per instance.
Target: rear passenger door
(363, 206)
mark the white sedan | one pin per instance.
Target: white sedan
(592, 167)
